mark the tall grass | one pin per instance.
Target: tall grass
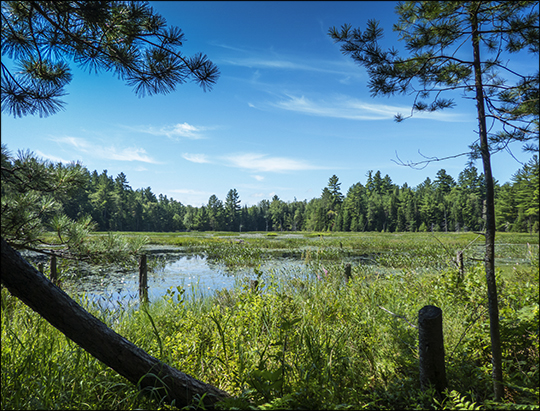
(42, 369)
(304, 338)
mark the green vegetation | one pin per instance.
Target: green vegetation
(110, 204)
(302, 340)
(433, 248)
(432, 33)
(295, 340)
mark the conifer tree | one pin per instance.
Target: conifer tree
(434, 32)
(126, 38)
(526, 192)
(232, 209)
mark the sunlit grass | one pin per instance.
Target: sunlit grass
(304, 337)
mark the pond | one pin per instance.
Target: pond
(173, 268)
(168, 269)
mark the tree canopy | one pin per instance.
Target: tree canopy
(129, 39)
(105, 202)
(42, 39)
(126, 38)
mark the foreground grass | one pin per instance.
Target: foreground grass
(301, 340)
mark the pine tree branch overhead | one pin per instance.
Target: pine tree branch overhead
(126, 38)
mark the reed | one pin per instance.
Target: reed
(304, 337)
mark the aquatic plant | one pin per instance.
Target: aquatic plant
(296, 341)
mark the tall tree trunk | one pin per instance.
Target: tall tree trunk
(489, 259)
(35, 290)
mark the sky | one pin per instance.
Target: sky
(288, 112)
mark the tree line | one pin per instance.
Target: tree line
(441, 204)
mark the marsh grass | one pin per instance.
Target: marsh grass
(304, 337)
(42, 369)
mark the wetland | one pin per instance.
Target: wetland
(304, 338)
(203, 263)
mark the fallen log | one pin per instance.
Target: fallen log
(61, 311)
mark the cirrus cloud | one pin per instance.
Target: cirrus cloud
(256, 162)
(262, 162)
(196, 158)
(107, 152)
(52, 158)
(350, 108)
(174, 132)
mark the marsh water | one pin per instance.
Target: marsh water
(194, 273)
(168, 269)
(171, 269)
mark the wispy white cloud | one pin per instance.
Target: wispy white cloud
(297, 64)
(354, 109)
(175, 131)
(265, 163)
(258, 178)
(256, 58)
(76, 142)
(196, 158)
(256, 76)
(128, 154)
(255, 162)
(228, 47)
(254, 62)
(106, 152)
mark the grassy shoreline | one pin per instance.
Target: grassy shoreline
(307, 341)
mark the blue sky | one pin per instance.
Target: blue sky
(288, 112)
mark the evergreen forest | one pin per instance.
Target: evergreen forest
(441, 204)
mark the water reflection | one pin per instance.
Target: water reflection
(199, 276)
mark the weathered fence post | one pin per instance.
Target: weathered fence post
(54, 272)
(348, 274)
(431, 348)
(143, 279)
(459, 262)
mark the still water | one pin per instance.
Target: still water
(194, 273)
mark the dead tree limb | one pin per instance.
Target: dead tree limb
(61, 311)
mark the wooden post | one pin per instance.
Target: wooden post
(54, 273)
(143, 279)
(348, 274)
(431, 348)
(459, 261)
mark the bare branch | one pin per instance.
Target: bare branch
(425, 163)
